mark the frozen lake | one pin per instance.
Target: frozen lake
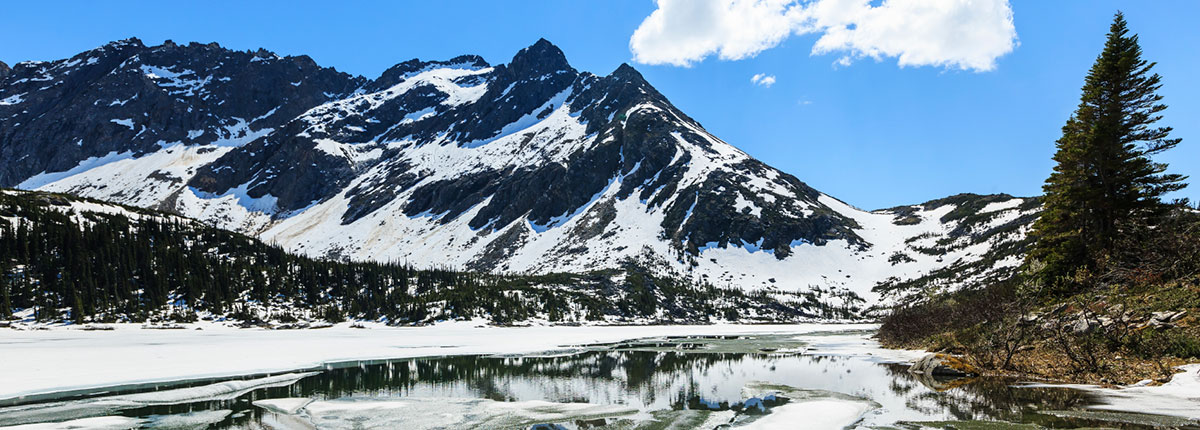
(804, 377)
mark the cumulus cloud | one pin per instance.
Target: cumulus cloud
(963, 34)
(681, 32)
(763, 79)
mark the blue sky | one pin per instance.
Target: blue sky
(872, 132)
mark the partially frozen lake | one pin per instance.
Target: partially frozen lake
(814, 377)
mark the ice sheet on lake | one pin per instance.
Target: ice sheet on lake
(816, 409)
(855, 344)
(95, 423)
(440, 413)
(288, 405)
(218, 391)
(189, 420)
(47, 361)
(829, 414)
(108, 405)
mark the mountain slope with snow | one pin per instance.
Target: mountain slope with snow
(529, 166)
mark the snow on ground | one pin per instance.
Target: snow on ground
(838, 263)
(142, 181)
(47, 361)
(1002, 206)
(1179, 397)
(86, 165)
(445, 79)
(12, 100)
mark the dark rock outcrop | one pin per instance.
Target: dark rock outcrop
(638, 146)
(125, 97)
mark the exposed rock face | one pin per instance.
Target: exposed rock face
(596, 130)
(125, 97)
(530, 165)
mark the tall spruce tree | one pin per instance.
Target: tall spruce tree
(1105, 180)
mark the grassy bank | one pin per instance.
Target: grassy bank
(1118, 334)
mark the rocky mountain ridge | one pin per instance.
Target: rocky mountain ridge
(528, 166)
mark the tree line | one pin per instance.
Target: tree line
(137, 265)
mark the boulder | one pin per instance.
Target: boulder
(1161, 320)
(1082, 326)
(1167, 316)
(1029, 319)
(1106, 322)
(943, 365)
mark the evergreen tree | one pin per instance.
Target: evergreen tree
(105, 267)
(1105, 180)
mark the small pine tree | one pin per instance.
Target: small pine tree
(1105, 178)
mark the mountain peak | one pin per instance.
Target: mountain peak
(132, 41)
(4, 70)
(626, 72)
(539, 58)
(542, 43)
(401, 71)
(473, 60)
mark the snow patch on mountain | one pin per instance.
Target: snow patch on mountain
(42, 179)
(143, 181)
(527, 167)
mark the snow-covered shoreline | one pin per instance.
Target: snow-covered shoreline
(1180, 397)
(61, 360)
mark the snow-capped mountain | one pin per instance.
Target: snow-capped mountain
(528, 166)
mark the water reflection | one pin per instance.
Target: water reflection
(707, 375)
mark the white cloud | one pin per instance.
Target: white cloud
(963, 34)
(763, 79)
(681, 32)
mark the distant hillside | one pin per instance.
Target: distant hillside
(66, 258)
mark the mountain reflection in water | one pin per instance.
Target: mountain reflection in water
(649, 378)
